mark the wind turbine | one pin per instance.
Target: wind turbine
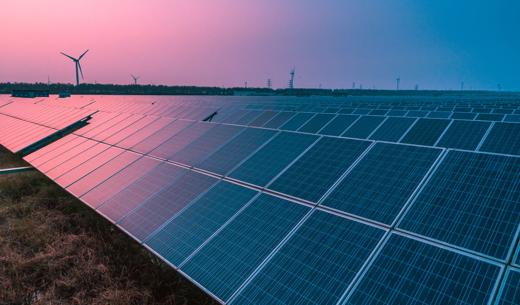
(135, 78)
(78, 65)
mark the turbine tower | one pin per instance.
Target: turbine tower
(398, 81)
(135, 78)
(291, 80)
(77, 64)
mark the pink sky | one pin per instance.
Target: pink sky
(436, 44)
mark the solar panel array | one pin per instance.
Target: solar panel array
(285, 200)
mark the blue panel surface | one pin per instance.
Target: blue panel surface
(316, 265)
(426, 131)
(380, 184)
(315, 172)
(503, 138)
(363, 127)
(510, 292)
(338, 125)
(239, 148)
(392, 129)
(159, 208)
(411, 272)
(271, 159)
(472, 201)
(226, 261)
(464, 134)
(316, 123)
(188, 230)
(297, 121)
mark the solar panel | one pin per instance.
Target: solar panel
(392, 129)
(363, 127)
(426, 131)
(338, 125)
(272, 158)
(472, 201)
(157, 209)
(464, 134)
(236, 150)
(255, 215)
(378, 187)
(239, 248)
(407, 271)
(189, 229)
(503, 138)
(510, 292)
(316, 264)
(317, 170)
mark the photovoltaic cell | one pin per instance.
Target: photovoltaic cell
(426, 131)
(164, 204)
(315, 172)
(296, 121)
(103, 172)
(280, 119)
(271, 159)
(471, 201)
(226, 261)
(407, 271)
(182, 139)
(203, 146)
(338, 125)
(464, 134)
(392, 129)
(121, 203)
(160, 136)
(316, 123)
(119, 181)
(363, 127)
(188, 230)
(380, 184)
(263, 118)
(316, 264)
(510, 294)
(503, 138)
(229, 155)
(463, 115)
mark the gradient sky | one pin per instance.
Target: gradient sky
(436, 44)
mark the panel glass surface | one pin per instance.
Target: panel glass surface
(271, 159)
(503, 138)
(379, 186)
(188, 230)
(363, 127)
(407, 271)
(280, 119)
(297, 121)
(164, 204)
(510, 294)
(426, 131)
(464, 134)
(225, 262)
(316, 123)
(315, 172)
(316, 264)
(229, 155)
(392, 129)
(338, 125)
(472, 201)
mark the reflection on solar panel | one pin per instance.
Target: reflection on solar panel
(236, 251)
(317, 214)
(408, 271)
(472, 201)
(315, 172)
(378, 187)
(316, 264)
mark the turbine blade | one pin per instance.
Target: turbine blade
(80, 70)
(82, 55)
(74, 59)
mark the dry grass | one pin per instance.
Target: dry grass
(55, 250)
